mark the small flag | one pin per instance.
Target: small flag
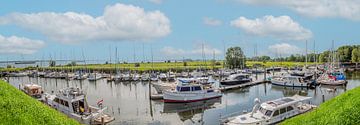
(100, 102)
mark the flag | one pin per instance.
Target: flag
(100, 102)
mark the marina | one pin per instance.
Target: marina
(130, 102)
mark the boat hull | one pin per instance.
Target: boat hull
(175, 97)
(235, 82)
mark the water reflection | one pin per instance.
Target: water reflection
(186, 111)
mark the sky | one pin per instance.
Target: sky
(172, 30)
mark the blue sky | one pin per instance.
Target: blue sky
(275, 27)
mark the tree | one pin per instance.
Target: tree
(355, 55)
(52, 63)
(324, 56)
(345, 53)
(235, 58)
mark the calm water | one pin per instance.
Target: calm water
(130, 104)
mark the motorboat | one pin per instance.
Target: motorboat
(72, 102)
(292, 81)
(33, 90)
(145, 77)
(94, 76)
(126, 77)
(272, 112)
(154, 77)
(235, 79)
(187, 91)
(162, 77)
(171, 76)
(136, 77)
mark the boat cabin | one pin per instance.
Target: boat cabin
(33, 90)
(71, 100)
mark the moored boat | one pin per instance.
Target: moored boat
(236, 79)
(186, 91)
(73, 103)
(33, 90)
(271, 112)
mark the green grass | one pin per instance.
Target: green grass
(341, 110)
(175, 66)
(16, 108)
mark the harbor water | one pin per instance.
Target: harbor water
(130, 102)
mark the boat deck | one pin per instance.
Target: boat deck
(232, 87)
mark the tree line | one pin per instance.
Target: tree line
(347, 53)
(235, 57)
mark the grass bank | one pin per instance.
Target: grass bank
(16, 108)
(341, 110)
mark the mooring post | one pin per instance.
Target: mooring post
(323, 98)
(102, 121)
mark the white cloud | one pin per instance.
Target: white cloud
(19, 45)
(211, 21)
(196, 50)
(156, 1)
(348, 9)
(282, 27)
(119, 22)
(284, 49)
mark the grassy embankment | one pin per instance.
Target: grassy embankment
(341, 110)
(16, 108)
(162, 66)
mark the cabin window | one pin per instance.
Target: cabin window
(61, 102)
(283, 110)
(185, 88)
(56, 100)
(196, 88)
(276, 113)
(66, 103)
(268, 113)
(289, 108)
(178, 88)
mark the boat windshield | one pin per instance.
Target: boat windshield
(265, 111)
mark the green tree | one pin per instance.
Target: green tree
(355, 55)
(235, 58)
(345, 53)
(324, 56)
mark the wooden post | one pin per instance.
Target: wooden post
(102, 121)
(323, 98)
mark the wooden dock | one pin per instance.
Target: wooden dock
(232, 87)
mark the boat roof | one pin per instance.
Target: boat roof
(32, 86)
(283, 102)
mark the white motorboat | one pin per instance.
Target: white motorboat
(186, 91)
(145, 77)
(94, 76)
(291, 81)
(162, 77)
(236, 79)
(73, 103)
(272, 112)
(154, 77)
